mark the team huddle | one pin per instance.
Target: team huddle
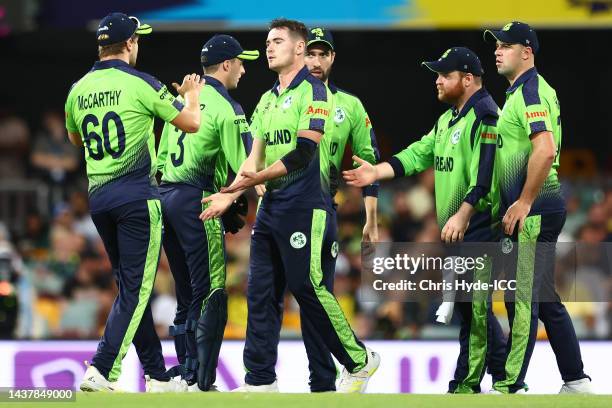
(495, 178)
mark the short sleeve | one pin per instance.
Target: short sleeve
(315, 108)
(157, 99)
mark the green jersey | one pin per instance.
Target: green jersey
(304, 105)
(351, 125)
(113, 108)
(461, 147)
(201, 159)
(531, 107)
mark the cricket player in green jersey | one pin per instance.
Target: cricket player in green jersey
(195, 165)
(110, 111)
(461, 149)
(293, 244)
(533, 211)
(351, 126)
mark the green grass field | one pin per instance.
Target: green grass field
(229, 400)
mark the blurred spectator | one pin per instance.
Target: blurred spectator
(53, 155)
(34, 244)
(405, 223)
(14, 148)
(83, 224)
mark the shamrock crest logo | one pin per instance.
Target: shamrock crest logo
(298, 240)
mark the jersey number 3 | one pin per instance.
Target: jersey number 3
(177, 159)
(97, 152)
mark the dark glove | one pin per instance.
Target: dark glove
(232, 219)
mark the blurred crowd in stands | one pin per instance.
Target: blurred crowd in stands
(56, 280)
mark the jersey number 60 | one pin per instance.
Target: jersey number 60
(97, 153)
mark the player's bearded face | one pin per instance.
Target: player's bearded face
(319, 60)
(282, 48)
(449, 86)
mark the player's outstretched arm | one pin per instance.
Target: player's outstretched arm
(367, 173)
(220, 202)
(298, 158)
(188, 120)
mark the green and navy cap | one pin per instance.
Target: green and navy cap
(515, 33)
(456, 59)
(223, 47)
(320, 35)
(118, 27)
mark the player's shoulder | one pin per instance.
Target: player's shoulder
(76, 84)
(536, 89)
(317, 88)
(140, 78)
(335, 89)
(225, 102)
(486, 107)
(344, 95)
(545, 89)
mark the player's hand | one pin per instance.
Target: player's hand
(370, 233)
(218, 204)
(249, 179)
(364, 175)
(517, 213)
(191, 82)
(260, 189)
(455, 228)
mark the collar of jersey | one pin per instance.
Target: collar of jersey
(478, 95)
(213, 82)
(332, 87)
(112, 63)
(301, 75)
(220, 88)
(526, 76)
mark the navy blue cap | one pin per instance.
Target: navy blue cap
(320, 35)
(223, 47)
(457, 59)
(515, 33)
(118, 27)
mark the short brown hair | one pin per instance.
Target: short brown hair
(211, 69)
(295, 27)
(477, 78)
(114, 49)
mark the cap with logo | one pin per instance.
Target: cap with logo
(118, 27)
(515, 33)
(456, 59)
(320, 35)
(223, 47)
